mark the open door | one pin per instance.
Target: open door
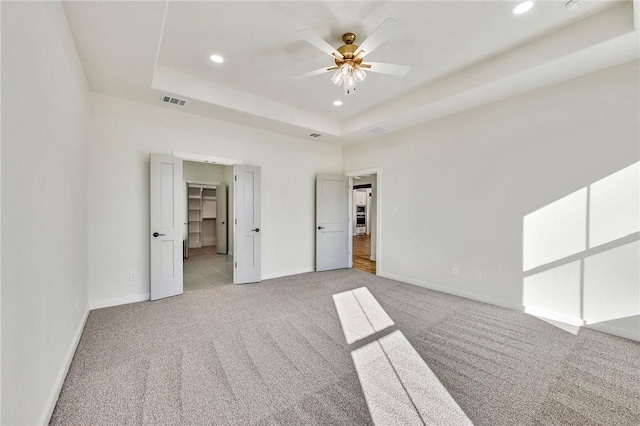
(332, 222)
(166, 220)
(246, 199)
(221, 218)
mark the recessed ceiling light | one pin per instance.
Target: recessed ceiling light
(337, 103)
(217, 59)
(522, 7)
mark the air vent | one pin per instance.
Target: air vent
(378, 130)
(315, 135)
(172, 100)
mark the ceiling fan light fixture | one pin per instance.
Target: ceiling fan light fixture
(345, 70)
(359, 74)
(348, 58)
(337, 78)
(350, 82)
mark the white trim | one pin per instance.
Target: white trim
(616, 331)
(119, 301)
(453, 291)
(62, 374)
(543, 313)
(371, 171)
(287, 273)
(209, 159)
(350, 220)
(194, 182)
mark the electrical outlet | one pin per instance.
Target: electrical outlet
(132, 276)
(455, 271)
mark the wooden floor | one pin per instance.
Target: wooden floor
(362, 254)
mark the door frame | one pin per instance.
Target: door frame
(372, 171)
(213, 160)
(187, 182)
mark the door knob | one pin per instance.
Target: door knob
(320, 227)
(256, 230)
(156, 234)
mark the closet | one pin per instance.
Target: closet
(202, 208)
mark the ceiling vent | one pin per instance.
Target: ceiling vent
(378, 130)
(172, 100)
(315, 135)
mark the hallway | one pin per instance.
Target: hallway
(362, 254)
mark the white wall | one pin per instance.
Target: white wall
(455, 191)
(121, 136)
(203, 172)
(44, 207)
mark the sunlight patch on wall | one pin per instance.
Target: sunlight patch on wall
(556, 291)
(581, 254)
(612, 284)
(614, 206)
(555, 231)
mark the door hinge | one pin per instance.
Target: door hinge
(236, 265)
(235, 221)
(235, 178)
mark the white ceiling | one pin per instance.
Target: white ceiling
(461, 54)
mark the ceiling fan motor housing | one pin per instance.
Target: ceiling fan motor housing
(348, 50)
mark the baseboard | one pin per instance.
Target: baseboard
(453, 291)
(287, 273)
(567, 319)
(119, 301)
(616, 331)
(62, 374)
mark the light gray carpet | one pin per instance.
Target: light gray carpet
(275, 353)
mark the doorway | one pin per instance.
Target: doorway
(169, 223)
(207, 260)
(364, 227)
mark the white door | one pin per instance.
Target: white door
(221, 218)
(332, 222)
(246, 199)
(166, 211)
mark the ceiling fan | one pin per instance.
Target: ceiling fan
(348, 58)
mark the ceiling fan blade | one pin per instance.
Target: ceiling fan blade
(377, 37)
(313, 73)
(383, 68)
(315, 40)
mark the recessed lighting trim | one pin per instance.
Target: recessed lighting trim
(337, 103)
(522, 7)
(217, 59)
